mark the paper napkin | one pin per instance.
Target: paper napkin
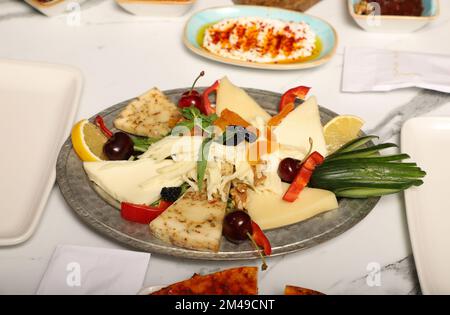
(367, 69)
(75, 270)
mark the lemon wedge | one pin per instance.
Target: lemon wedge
(341, 130)
(88, 141)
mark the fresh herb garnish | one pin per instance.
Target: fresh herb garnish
(194, 118)
(156, 203)
(184, 188)
(141, 144)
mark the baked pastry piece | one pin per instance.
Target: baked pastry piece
(292, 290)
(237, 281)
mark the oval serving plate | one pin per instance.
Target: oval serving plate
(101, 214)
(197, 23)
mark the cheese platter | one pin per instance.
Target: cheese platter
(253, 174)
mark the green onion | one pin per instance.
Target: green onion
(354, 144)
(366, 152)
(359, 193)
(357, 170)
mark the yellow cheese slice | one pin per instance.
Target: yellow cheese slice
(126, 181)
(270, 211)
(301, 124)
(237, 100)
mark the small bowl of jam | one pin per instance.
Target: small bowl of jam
(393, 16)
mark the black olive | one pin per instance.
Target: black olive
(233, 135)
(250, 137)
(170, 194)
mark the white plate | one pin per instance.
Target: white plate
(38, 103)
(395, 23)
(195, 28)
(427, 140)
(166, 8)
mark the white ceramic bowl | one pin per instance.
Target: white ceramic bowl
(163, 8)
(394, 23)
(55, 7)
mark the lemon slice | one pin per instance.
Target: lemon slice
(341, 130)
(88, 141)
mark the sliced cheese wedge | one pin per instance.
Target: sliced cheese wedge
(300, 125)
(270, 211)
(237, 100)
(126, 181)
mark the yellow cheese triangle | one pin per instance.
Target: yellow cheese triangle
(300, 125)
(270, 211)
(237, 100)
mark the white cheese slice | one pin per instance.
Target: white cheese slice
(300, 125)
(270, 211)
(125, 180)
(180, 148)
(237, 100)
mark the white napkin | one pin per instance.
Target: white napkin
(368, 69)
(75, 270)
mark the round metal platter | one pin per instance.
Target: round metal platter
(96, 209)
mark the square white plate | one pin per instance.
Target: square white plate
(38, 103)
(427, 140)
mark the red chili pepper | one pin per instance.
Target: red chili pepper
(303, 176)
(261, 239)
(141, 213)
(101, 124)
(291, 95)
(207, 108)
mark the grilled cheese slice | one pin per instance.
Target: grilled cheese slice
(193, 221)
(151, 115)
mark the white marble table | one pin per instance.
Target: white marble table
(122, 55)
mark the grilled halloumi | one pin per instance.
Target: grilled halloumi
(193, 221)
(151, 115)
